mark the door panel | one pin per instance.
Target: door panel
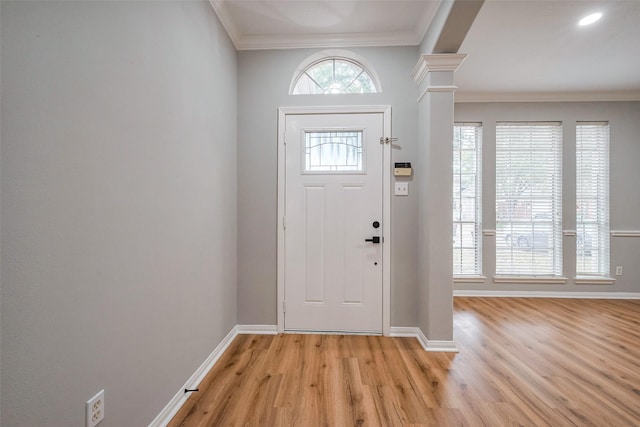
(314, 247)
(333, 194)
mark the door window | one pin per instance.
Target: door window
(333, 152)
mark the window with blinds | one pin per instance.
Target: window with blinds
(592, 199)
(529, 199)
(467, 185)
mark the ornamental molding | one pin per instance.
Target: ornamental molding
(436, 62)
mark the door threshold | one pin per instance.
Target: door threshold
(309, 332)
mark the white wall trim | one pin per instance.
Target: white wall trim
(469, 279)
(594, 280)
(385, 110)
(174, 405)
(430, 89)
(333, 109)
(449, 88)
(227, 22)
(442, 346)
(533, 280)
(436, 62)
(422, 95)
(276, 41)
(404, 331)
(462, 96)
(257, 329)
(623, 233)
(546, 294)
(428, 345)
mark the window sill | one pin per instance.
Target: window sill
(532, 280)
(469, 279)
(594, 280)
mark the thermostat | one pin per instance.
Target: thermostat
(402, 169)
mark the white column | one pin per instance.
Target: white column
(434, 75)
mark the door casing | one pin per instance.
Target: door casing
(385, 110)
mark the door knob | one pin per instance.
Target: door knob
(374, 239)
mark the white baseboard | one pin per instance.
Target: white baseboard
(403, 331)
(546, 294)
(445, 346)
(428, 345)
(180, 397)
(257, 329)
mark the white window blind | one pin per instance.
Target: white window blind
(592, 199)
(467, 185)
(529, 199)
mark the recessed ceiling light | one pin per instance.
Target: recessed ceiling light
(590, 19)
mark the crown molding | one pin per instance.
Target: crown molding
(278, 41)
(411, 37)
(436, 62)
(466, 96)
(225, 19)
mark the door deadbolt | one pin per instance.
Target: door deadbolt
(376, 224)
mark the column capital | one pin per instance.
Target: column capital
(436, 62)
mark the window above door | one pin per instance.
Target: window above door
(334, 72)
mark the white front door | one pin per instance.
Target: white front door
(333, 232)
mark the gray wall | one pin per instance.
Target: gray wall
(0, 225)
(624, 120)
(118, 205)
(263, 86)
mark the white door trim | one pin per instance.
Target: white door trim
(385, 110)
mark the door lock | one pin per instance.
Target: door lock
(374, 239)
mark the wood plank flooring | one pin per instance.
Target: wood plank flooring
(522, 362)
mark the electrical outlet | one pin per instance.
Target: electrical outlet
(95, 409)
(619, 270)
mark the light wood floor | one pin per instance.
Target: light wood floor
(522, 362)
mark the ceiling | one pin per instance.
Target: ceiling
(535, 50)
(517, 49)
(274, 24)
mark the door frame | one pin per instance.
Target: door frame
(385, 110)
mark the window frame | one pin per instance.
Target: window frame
(592, 187)
(334, 54)
(459, 223)
(528, 226)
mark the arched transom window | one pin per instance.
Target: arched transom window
(334, 74)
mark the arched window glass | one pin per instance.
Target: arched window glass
(334, 75)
